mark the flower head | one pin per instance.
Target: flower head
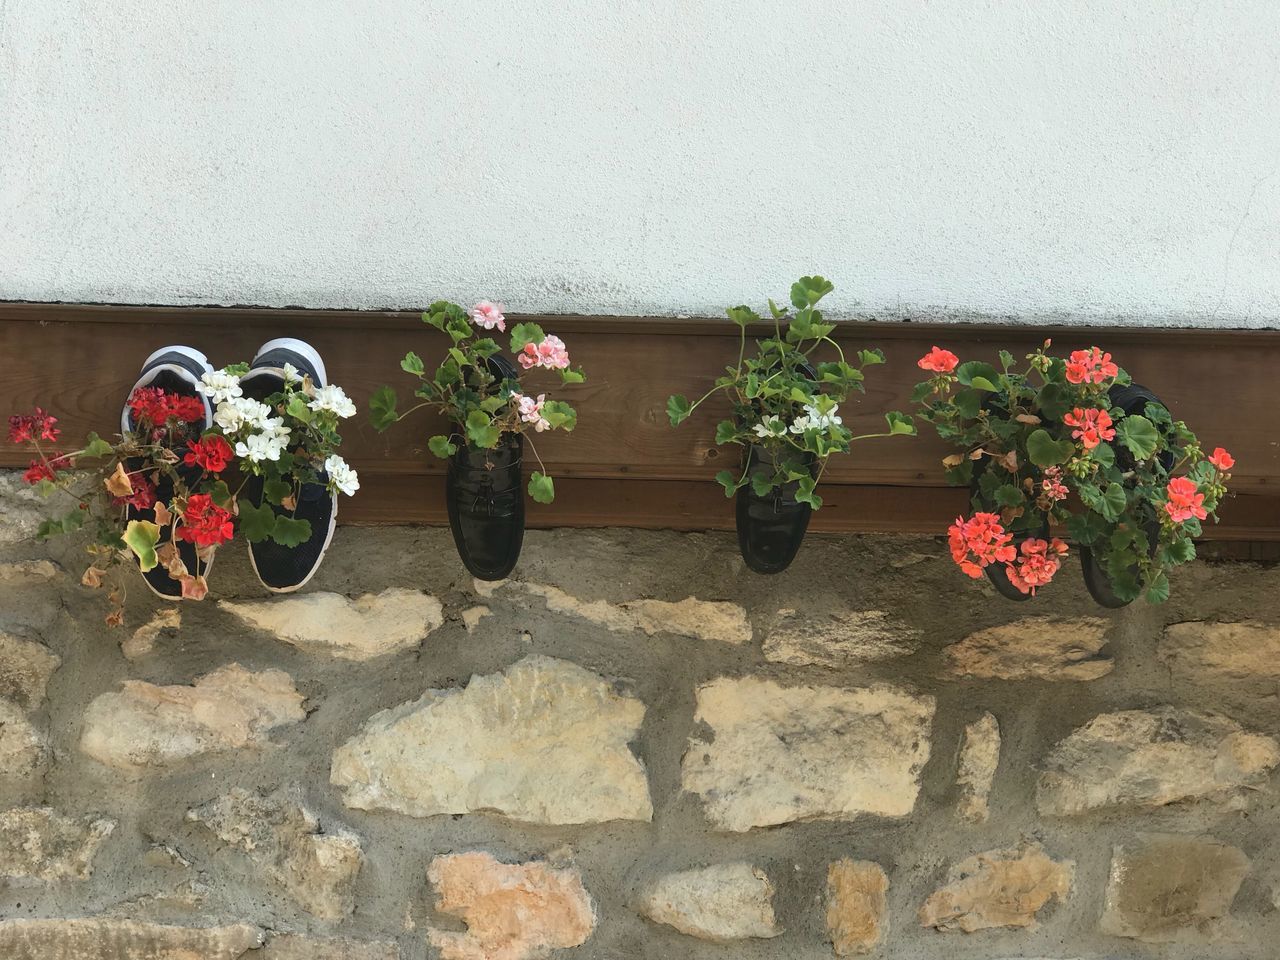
(143, 496)
(204, 523)
(1052, 486)
(488, 316)
(261, 446)
(550, 353)
(155, 407)
(1038, 562)
(335, 399)
(234, 415)
(218, 385)
(1092, 426)
(1090, 366)
(341, 477)
(37, 425)
(530, 410)
(815, 419)
(1222, 460)
(211, 453)
(770, 426)
(1185, 500)
(938, 360)
(979, 542)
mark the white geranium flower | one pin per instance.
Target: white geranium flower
(333, 398)
(815, 419)
(259, 446)
(240, 412)
(219, 385)
(291, 374)
(770, 426)
(800, 425)
(342, 477)
(274, 428)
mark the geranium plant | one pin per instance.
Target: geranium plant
(1069, 444)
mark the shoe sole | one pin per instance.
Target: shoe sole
(307, 350)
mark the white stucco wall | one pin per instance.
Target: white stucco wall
(1095, 160)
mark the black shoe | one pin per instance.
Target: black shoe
(175, 369)
(284, 569)
(770, 528)
(484, 492)
(1132, 399)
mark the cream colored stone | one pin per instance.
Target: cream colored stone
(19, 571)
(472, 616)
(143, 640)
(1172, 889)
(38, 844)
(1033, 648)
(298, 947)
(109, 939)
(545, 741)
(1236, 651)
(1149, 758)
(23, 747)
(516, 911)
(318, 869)
(838, 640)
(780, 754)
(979, 758)
(999, 888)
(25, 669)
(145, 725)
(721, 903)
(703, 619)
(351, 629)
(857, 906)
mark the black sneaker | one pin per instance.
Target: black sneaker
(174, 369)
(284, 569)
(484, 491)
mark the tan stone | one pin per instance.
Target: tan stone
(472, 616)
(545, 741)
(350, 629)
(1033, 648)
(297, 947)
(145, 725)
(143, 640)
(838, 640)
(979, 758)
(27, 571)
(318, 869)
(38, 844)
(721, 903)
(780, 754)
(691, 617)
(1149, 758)
(1235, 651)
(25, 669)
(857, 906)
(999, 888)
(23, 747)
(513, 911)
(1166, 889)
(109, 939)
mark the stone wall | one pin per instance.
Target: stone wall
(635, 750)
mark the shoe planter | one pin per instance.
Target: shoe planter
(770, 528)
(1131, 399)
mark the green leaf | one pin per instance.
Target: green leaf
(382, 408)
(1008, 495)
(481, 431)
(275, 491)
(220, 493)
(541, 487)
(96, 447)
(1182, 550)
(805, 493)
(290, 531)
(459, 329)
(761, 483)
(1138, 434)
(678, 409)
(869, 358)
(742, 315)
(298, 409)
(729, 480)
(1055, 401)
(1158, 588)
(412, 363)
(968, 403)
(1104, 454)
(442, 447)
(523, 333)
(726, 431)
(807, 291)
(560, 414)
(485, 347)
(494, 403)
(1044, 451)
(572, 376)
(1006, 360)
(1113, 502)
(256, 523)
(983, 372)
(1087, 528)
(141, 537)
(982, 383)
(900, 424)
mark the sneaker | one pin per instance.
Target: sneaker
(284, 569)
(176, 369)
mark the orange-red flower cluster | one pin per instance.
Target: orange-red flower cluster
(156, 407)
(1185, 500)
(1090, 366)
(1038, 562)
(979, 542)
(938, 360)
(211, 453)
(1092, 426)
(1222, 460)
(204, 523)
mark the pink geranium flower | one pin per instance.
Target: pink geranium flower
(1185, 500)
(938, 360)
(550, 353)
(531, 410)
(488, 316)
(1039, 561)
(1092, 426)
(1222, 460)
(1052, 485)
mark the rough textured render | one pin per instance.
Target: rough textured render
(41, 845)
(145, 725)
(999, 888)
(104, 939)
(1148, 758)
(838, 640)
(979, 758)
(25, 669)
(691, 617)
(23, 747)
(720, 903)
(545, 741)
(1033, 648)
(299, 947)
(21, 510)
(353, 629)
(1244, 650)
(516, 911)
(780, 754)
(857, 906)
(1167, 889)
(318, 869)
(142, 641)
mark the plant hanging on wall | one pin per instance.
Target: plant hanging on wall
(786, 418)
(1069, 443)
(479, 391)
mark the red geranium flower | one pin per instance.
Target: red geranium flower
(210, 453)
(938, 360)
(143, 496)
(1092, 426)
(1090, 366)
(1185, 500)
(156, 407)
(23, 428)
(1222, 460)
(40, 470)
(204, 523)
